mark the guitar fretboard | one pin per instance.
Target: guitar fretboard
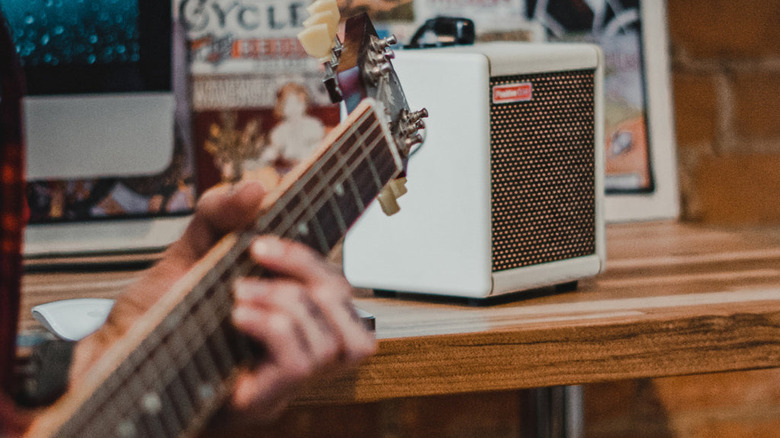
(181, 372)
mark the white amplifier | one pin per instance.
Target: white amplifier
(507, 192)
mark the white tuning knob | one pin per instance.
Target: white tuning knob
(325, 5)
(388, 197)
(388, 202)
(398, 186)
(324, 17)
(316, 40)
(319, 33)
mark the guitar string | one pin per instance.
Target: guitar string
(294, 217)
(361, 144)
(110, 393)
(321, 186)
(317, 168)
(166, 376)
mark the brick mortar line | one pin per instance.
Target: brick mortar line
(682, 61)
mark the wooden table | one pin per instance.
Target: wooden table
(675, 299)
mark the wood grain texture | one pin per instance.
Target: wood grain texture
(676, 299)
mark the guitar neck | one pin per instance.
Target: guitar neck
(171, 372)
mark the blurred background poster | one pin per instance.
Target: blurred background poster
(258, 102)
(250, 75)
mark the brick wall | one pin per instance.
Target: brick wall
(726, 75)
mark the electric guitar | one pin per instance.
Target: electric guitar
(173, 369)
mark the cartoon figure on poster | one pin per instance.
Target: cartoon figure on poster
(297, 134)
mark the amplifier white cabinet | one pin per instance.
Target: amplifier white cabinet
(506, 194)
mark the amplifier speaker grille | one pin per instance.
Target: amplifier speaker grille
(543, 170)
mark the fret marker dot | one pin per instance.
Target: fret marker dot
(126, 429)
(339, 189)
(303, 229)
(151, 403)
(206, 391)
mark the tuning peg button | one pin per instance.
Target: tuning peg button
(388, 201)
(414, 140)
(325, 5)
(316, 40)
(388, 197)
(398, 187)
(381, 44)
(324, 17)
(417, 115)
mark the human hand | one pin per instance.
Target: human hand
(219, 211)
(303, 316)
(305, 319)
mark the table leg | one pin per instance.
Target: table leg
(554, 412)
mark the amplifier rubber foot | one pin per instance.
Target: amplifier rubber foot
(566, 287)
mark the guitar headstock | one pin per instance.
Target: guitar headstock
(361, 67)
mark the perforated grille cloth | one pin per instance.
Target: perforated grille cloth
(543, 170)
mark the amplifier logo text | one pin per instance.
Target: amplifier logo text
(521, 92)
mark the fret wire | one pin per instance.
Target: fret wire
(350, 182)
(323, 200)
(189, 373)
(333, 152)
(128, 387)
(288, 223)
(123, 404)
(159, 348)
(196, 368)
(149, 374)
(167, 415)
(154, 425)
(182, 352)
(277, 210)
(339, 218)
(166, 365)
(190, 379)
(139, 388)
(291, 216)
(209, 325)
(109, 417)
(75, 425)
(323, 241)
(148, 343)
(222, 353)
(183, 405)
(164, 370)
(371, 166)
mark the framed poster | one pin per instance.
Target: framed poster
(641, 170)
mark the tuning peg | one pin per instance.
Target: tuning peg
(319, 34)
(388, 203)
(325, 5)
(316, 40)
(398, 187)
(326, 17)
(379, 70)
(417, 115)
(379, 45)
(413, 140)
(388, 197)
